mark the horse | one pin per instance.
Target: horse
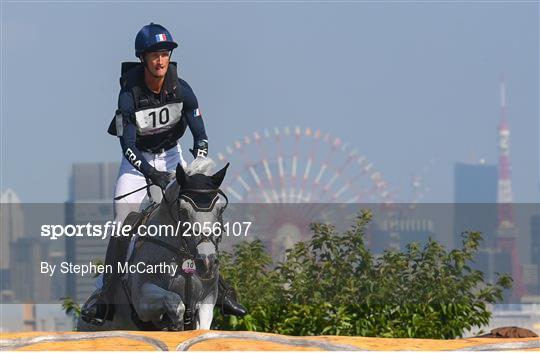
(183, 299)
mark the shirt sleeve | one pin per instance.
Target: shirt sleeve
(129, 137)
(192, 113)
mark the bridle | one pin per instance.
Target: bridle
(191, 247)
(183, 195)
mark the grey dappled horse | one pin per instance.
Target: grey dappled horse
(158, 301)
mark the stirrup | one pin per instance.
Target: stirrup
(96, 311)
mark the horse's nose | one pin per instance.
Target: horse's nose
(201, 264)
(205, 264)
(209, 262)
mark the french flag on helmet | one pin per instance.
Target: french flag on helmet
(161, 37)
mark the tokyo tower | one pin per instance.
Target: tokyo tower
(507, 231)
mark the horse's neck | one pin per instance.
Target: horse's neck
(164, 214)
(172, 192)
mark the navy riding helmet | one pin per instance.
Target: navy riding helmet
(153, 37)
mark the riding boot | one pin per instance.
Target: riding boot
(227, 300)
(99, 307)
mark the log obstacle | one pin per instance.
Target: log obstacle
(244, 340)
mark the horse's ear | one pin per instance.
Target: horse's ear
(217, 178)
(180, 175)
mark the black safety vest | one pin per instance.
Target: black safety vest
(158, 117)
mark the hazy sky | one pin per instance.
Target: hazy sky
(404, 83)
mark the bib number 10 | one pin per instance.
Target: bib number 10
(160, 120)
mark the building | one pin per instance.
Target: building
(28, 284)
(476, 209)
(534, 267)
(90, 201)
(92, 181)
(475, 201)
(396, 233)
(507, 230)
(58, 281)
(475, 183)
(530, 278)
(12, 229)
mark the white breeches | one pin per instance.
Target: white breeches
(130, 179)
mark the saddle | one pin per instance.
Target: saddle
(135, 219)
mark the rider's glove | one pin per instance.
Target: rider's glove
(200, 149)
(160, 179)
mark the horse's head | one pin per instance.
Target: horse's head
(200, 205)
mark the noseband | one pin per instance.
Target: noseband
(183, 192)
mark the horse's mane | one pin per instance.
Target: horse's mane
(198, 166)
(201, 166)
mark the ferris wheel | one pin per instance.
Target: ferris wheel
(286, 178)
(301, 165)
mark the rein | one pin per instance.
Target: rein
(134, 191)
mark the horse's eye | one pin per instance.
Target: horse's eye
(221, 208)
(183, 213)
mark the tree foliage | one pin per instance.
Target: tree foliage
(70, 307)
(331, 284)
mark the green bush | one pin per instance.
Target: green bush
(331, 284)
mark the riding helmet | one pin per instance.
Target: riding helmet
(153, 37)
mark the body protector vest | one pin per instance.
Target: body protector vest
(158, 117)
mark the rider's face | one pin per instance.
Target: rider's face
(157, 62)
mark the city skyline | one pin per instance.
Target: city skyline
(472, 160)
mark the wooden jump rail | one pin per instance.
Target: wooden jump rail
(320, 343)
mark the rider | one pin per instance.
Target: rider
(154, 108)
